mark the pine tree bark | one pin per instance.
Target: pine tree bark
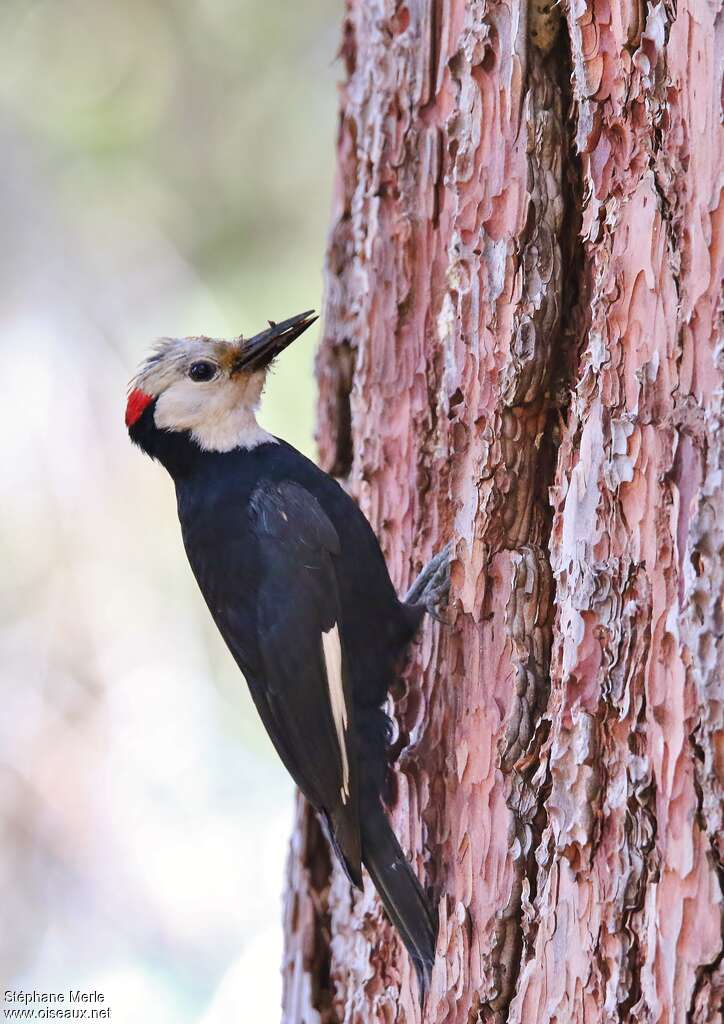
(523, 353)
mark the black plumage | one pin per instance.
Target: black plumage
(283, 557)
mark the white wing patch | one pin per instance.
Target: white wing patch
(332, 648)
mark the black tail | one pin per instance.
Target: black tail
(399, 889)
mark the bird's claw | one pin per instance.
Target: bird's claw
(432, 584)
(431, 609)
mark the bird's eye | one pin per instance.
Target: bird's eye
(202, 371)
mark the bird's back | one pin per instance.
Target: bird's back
(216, 514)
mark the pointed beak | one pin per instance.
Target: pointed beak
(259, 351)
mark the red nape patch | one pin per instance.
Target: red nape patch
(137, 402)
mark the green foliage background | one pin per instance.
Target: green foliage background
(211, 123)
(167, 170)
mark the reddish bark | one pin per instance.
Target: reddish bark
(523, 352)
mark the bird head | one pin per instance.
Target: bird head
(210, 387)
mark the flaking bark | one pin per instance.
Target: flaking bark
(523, 353)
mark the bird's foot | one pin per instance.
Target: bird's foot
(431, 587)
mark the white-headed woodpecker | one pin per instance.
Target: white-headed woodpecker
(297, 584)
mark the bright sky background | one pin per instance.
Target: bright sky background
(167, 170)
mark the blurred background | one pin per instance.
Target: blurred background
(166, 170)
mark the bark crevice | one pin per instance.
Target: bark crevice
(538, 391)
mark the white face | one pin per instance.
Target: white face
(196, 391)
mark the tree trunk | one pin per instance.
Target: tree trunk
(522, 353)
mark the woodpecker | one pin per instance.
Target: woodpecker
(297, 585)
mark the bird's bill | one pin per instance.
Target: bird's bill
(259, 351)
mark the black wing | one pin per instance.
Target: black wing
(306, 703)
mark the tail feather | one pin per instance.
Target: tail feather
(400, 891)
(344, 839)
